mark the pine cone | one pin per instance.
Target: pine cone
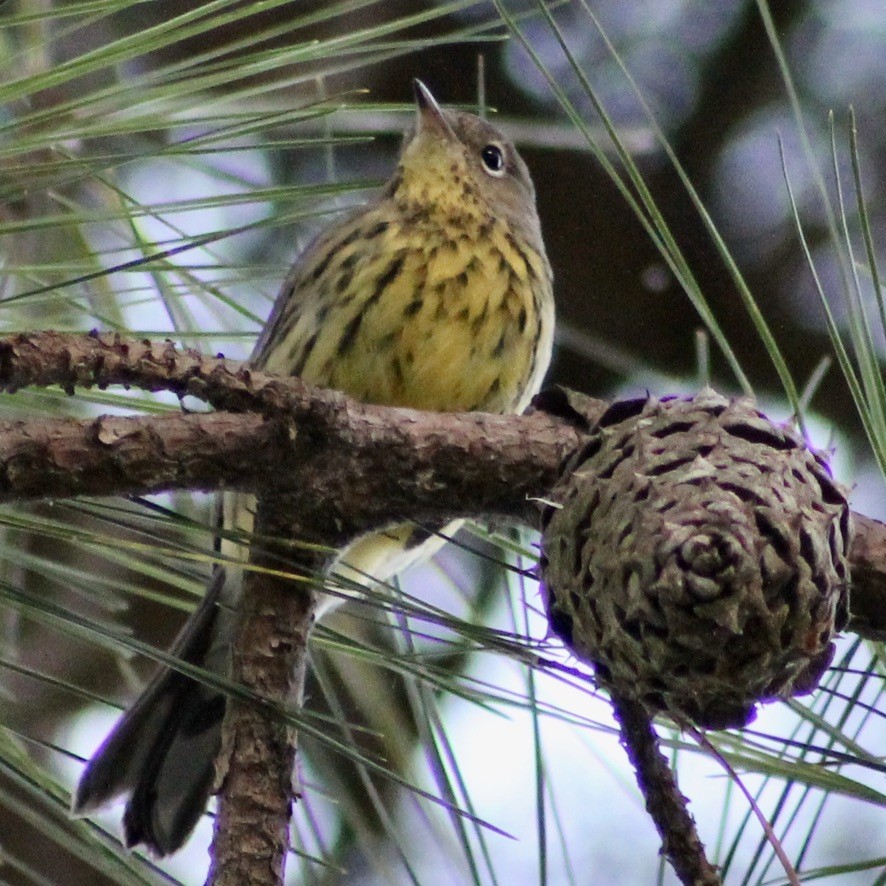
(696, 554)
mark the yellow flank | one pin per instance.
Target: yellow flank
(437, 295)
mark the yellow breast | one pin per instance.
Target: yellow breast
(412, 312)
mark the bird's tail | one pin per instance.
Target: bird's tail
(162, 751)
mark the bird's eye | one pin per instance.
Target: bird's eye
(493, 157)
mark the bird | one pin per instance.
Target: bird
(438, 295)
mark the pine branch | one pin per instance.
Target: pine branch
(251, 838)
(321, 465)
(867, 600)
(321, 443)
(286, 434)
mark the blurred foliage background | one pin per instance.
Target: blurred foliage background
(161, 165)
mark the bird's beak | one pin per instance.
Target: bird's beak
(431, 118)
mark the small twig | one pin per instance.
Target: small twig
(665, 804)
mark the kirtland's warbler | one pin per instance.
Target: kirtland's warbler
(436, 295)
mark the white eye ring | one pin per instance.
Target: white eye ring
(493, 159)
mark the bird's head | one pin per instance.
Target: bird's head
(459, 164)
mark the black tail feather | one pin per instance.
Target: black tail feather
(162, 751)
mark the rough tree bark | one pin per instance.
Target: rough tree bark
(251, 837)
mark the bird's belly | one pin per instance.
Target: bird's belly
(440, 367)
